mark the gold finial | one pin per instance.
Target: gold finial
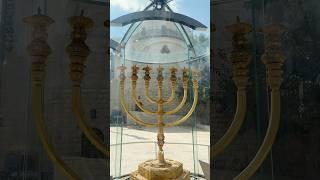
(122, 75)
(160, 76)
(195, 75)
(185, 71)
(135, 68)
(195, 78)
(173, 70)
(185, 74)
(122, 68)
(173, 74)
(239, 27)
(147, 68)
(160, 69)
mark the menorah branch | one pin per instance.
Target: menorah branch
(172, 95)
(78, 52)
(273, 59)
(240, 59)
(235, 126)
(37, 107)
(193, 107)
(134, 97)
(182, 103)
(130, 115)
(268, 140)
(146, 91)
(39, 51)
(85, 127)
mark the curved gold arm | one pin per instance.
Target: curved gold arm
(273, 58)
(268, 140)
(173, 93)
(39, 50)
(78, 52)
(134, 97)
(125, 108)
(37, 107)
(182, 103)
(146, 91)
(236, 124)
(193, 107)
(83, 122)
(240, 59)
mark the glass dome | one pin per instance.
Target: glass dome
(159, 35)
(151, 38)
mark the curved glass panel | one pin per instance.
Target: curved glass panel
(167, 44)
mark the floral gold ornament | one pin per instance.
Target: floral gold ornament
(160, 168)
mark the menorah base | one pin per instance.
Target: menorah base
(152, 170)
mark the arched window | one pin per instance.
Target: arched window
(87, 149)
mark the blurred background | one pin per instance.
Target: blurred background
(294, 154)
(21, 153)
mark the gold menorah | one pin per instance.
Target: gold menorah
(159, 168)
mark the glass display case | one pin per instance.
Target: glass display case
(160, 43)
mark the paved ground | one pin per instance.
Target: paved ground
(136, 151)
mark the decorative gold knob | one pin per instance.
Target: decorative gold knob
(274, 57)
(185, 75)
(135, 70)
(147, 70)
(122, 75)
(173, 77)
(241, 53)
(160, 76)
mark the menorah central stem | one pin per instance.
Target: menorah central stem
(160, 135)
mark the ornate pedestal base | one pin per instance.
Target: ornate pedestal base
(152, 170)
